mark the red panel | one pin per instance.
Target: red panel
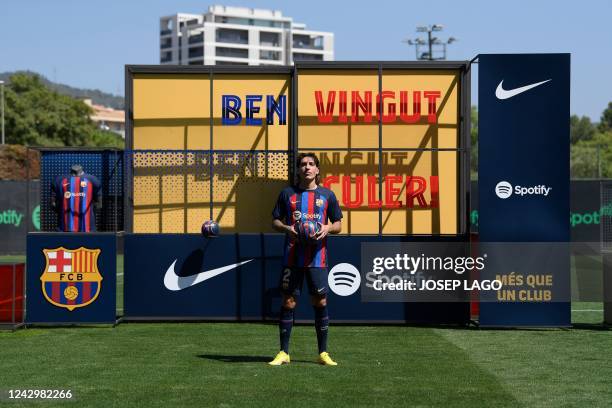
(7, 303)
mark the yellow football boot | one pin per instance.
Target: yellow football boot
(325, 359)
(280, 359)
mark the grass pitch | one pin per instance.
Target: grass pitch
(224, 364)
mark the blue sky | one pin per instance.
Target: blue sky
(86, 43)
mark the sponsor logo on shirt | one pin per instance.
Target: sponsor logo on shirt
(68, 194)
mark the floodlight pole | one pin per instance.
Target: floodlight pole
(430, 45)
(430, 42)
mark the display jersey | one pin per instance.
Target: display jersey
(295, 205)
(74, 197)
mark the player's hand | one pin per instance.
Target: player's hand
(293, 235)
(323, 231)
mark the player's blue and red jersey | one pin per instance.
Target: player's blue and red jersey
(295, 205)
(74, 197)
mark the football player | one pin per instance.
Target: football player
(305, 257)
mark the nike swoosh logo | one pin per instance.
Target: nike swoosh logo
(174, 282)
(501, 93)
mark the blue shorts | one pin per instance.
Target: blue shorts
(292, 280)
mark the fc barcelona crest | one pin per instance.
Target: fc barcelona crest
(71, 278)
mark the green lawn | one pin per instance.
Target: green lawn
(223, 364)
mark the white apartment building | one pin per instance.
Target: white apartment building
(240, 36)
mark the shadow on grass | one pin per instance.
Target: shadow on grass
(80, 326)
(244, 359)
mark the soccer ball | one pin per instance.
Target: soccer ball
(306, 230)
(210, 229)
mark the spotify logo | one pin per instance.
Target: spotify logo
(503, 189)
(344, 279)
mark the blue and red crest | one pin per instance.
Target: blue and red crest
(71, 278)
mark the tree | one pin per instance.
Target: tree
(605, 124)
(581, 129)
(591, 149)
(592, 158)
(584, 161)
(37, 116)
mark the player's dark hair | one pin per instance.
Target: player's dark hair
(297, 166)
